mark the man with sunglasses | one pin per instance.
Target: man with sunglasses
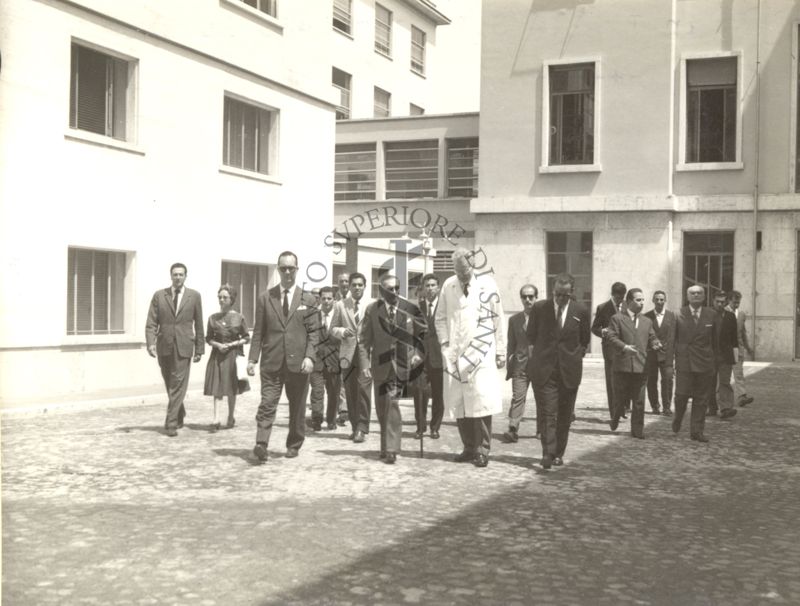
(518, 363)
(285, 337)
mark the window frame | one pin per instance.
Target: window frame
(683, 125)
(349, 31)
(272, 138)
(397, 172)
(342, 92)
(375, 91)
(351, 195)
(270, 269)
(130, 97)
(710, 290)
(423, 47)
(126, 298)
(414, 106)
(388, 52)
(453, 144)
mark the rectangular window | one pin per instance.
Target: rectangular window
(95, 292)
(572, 105)
(342, 17)
(417, 51)
(247, 136)
(415, 110)
(377, 272)
(711, 109)
(101, 90)
(270, 7)
(414, 286)
(571, 252)
(383, 30)
(341, 82)
(382, 103)
(249, 280)
(708, 261)
(412, 169)
(355, 172)
(462, 168)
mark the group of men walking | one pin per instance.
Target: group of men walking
(448, 347)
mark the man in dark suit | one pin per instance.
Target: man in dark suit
(727, 354)
(325, 377)
(696, 331)
(390, 348)
(518, 356)
(431, 382)
(600, 329)
(174, 334)
(631, 336)
(558, 330)
(285, 337)
(347, 317)
(661, 361)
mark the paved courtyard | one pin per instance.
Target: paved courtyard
(99, 507)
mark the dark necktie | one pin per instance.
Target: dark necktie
(175, 299)
(430, 313)
(286, 303)
(465, 287)
(324, 324)
(696, 315)
(355, 313)
(391, 314)
(561, 316)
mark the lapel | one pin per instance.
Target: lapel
(168, 300)
(184, 300)
(297, 297)
(350, 308)
(275, 300)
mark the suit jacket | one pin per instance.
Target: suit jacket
(387, 348)
(170, 330)
(728, 338)
(741, 331)
(327, 357)
(518, 350)
(696, 346)
(433, 349)
(622, 332)
(603, 314)
(553, 345)
(344, 318)
(665, 334)
(277, 339)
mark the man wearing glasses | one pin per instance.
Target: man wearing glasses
(285, 337)
(559, 331)
(518, 363)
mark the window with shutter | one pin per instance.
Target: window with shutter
(711, 110)
(249, 280)
(417, 51)
(571, 113)
(383, 30)
(355, 172)
(341, 82)
(412, 169)
(462, 168)
(342, 15)
(95, 292)
(247, 137)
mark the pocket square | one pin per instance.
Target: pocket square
(576, 318)
(302, 307)
(709, 325)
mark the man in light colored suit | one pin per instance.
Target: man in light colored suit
(285, 337)
(431, 382)
(347, 317)
(174, 334)
(744, 345)
(661, 361)
(326, 376)
(518, 363)
(631, 336)
(559, 331)
(696, 331)
(390, 349)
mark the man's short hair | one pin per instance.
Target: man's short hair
(618, 288)
(289, 253)
(632, 293)
(722, 295)
(564, 279)
(700, 286)
(386, 277)
(427, 277)
(659, 292)
(535, 290)
(458, 253)
(356, 275)
(325, 289)
(174, 265)
(736, 295)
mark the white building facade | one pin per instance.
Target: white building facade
(131, 138)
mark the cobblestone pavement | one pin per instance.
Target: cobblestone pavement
(99, 507)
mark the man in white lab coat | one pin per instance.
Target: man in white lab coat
(470, 325)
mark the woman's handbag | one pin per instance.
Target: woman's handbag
(243, 382)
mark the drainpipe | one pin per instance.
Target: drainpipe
(757, 159)
(671, 142)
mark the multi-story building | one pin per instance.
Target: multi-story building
(383, 55)
(647, 141)
(132, 137)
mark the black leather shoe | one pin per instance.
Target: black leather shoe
(358, 437)
(667, 412)
(638, 436)
(481, 460)
(291, 453)
(656, 411)
(331, 426)
(745, 401)
(623, 416)
(558, 461)
(510, 436)
(390, 458)
(418, 435)
(434, 434)
(613, 424)
(316, 425)
(464, 457)
(171, 433)
(547, 462)
(382, 455)
(699, 438)
(341, 421)
(260, 451)
(728, 413)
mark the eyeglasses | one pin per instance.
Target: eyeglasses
(287, 270)
(221, 297)
(391, 288)
(530, 297)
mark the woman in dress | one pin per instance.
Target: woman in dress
(226, 334)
